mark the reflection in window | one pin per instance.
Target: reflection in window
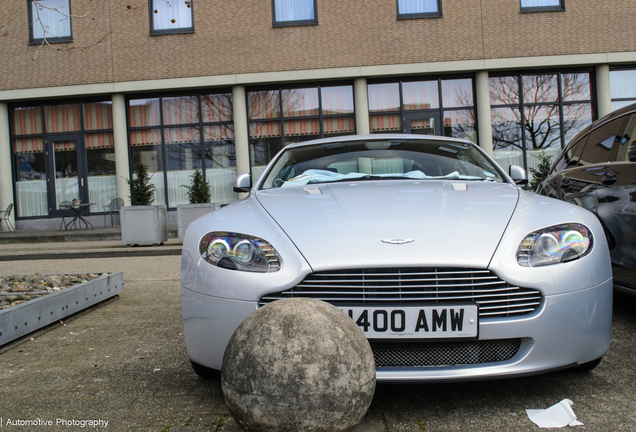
(50, 20)
(307, 113)
(418, 8)
(548, 122)
(294, 12)
(170, 16)
(193, 132)
(425, 102)
(420, 95)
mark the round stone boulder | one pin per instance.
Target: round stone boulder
(298, 365)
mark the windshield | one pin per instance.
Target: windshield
(380, 160)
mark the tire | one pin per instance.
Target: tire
(586, 367)
(204, 372)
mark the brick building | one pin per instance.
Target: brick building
(92, 87)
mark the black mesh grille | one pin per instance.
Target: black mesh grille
(416, 286)
(421, 354)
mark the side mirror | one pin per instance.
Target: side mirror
(243, 183)
(518, 175)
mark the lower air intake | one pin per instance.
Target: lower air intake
(422, 354)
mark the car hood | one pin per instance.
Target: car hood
(393, 222)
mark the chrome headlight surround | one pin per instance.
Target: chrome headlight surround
(555, 244)
(235, 251)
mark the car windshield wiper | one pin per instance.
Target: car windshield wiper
(365, 177)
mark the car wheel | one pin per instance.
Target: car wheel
(586, 367)
(204, 372)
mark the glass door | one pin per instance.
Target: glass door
(422, 123)
(65, 181)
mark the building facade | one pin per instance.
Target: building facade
(92, 88)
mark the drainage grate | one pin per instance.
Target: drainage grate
(420, 354)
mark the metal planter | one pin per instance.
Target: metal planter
(144, 224)
(20, 320)
(187, 213)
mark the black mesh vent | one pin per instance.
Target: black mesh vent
(416, 286)
(399, 354)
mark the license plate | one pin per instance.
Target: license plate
(428, 322)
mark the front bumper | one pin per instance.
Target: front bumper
(569, 329)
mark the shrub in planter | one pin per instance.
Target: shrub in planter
(142, 192)
(143, 223)
(198, 190)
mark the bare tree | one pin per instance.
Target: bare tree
(40, 5)
(541, 126)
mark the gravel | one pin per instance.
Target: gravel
(17, 289)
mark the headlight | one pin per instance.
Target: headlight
(556, 244)
(239, 252)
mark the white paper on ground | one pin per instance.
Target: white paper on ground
(557, 416)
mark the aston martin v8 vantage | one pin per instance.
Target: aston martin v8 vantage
(451, 270)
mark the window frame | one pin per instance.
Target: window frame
(155, 32)
(36, 41)
(531, 9)
(294, 22)
(402, 16)
(200, 123)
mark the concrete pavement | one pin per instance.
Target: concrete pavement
(124, 362)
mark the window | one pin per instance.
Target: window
(535, 115)
(170, 16)
(435, 106)
(61, 152)
(407, 9)
(278, 117)
(294, 12)
(622, 87)
(50, 20)
(176, 135)
(542, 5)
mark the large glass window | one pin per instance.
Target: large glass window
(535, 115)
(283, 116)
(50, 20)
(418, 8)
(168, 17)
(422, 103)
(61, 152)
(294, 12)
(542, 5)
(622, 87)
(176, 135)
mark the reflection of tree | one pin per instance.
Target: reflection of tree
(265, 136)
(542, 127)
(31, 166)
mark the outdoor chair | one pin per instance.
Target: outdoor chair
(66, 212)
(4, 216)
(114, 207)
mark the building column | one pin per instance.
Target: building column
(603, 92)
(361, 106)
(484, 123)
(241, 139)
(6, 178)
(120, 133)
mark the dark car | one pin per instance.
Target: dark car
(597, 171)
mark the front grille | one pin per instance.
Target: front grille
(422, 354)
(416, 286)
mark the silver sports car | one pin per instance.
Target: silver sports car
(451, 270)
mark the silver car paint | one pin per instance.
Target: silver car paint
(577, 294)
